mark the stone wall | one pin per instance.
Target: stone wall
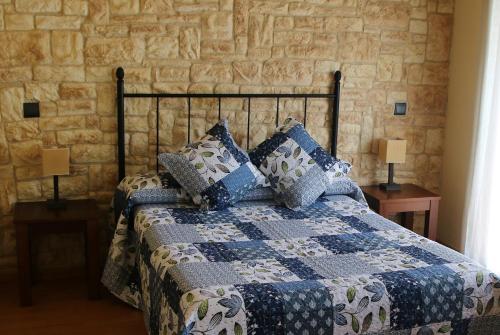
(64, 53)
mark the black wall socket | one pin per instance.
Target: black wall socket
(31, 109)
(400, 108)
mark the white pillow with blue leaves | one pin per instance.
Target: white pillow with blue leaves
(215, 171)
(297, 167)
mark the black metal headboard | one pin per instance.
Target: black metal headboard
(121, 95)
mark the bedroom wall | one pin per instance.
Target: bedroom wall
(64, 53)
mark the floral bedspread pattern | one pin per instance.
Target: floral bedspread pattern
(260, 268)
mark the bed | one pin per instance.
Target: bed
(258, 267)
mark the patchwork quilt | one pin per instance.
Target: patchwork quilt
(260, 268)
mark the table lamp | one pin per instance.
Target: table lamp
(391, 151)
(55, 162)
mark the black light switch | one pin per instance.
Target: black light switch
(31, 109)
(400, 108)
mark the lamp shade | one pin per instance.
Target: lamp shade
(55, 161)
(392, 150)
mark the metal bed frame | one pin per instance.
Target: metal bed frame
(334, 98)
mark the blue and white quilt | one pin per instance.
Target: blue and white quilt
(260, 268)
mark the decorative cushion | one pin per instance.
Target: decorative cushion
(215, 171)
(298, 169)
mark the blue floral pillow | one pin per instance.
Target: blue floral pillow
(298, 169)
(215, 171)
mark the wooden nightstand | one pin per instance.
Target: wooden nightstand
(32, 218)
(410, 199)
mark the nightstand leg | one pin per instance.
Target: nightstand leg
(23, 264)
(431, 220)
(33, 269)
(92, 243)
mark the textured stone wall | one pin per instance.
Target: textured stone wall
(64, 53)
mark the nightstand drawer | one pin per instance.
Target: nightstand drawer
(408, 206)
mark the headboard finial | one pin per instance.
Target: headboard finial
(338, 75)
(120, 74)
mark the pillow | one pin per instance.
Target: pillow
(215, 171)
(298, 169)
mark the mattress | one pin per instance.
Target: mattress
(260, 268)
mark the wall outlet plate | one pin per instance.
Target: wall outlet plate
(400, 108)
(31, 109)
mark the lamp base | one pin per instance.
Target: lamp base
(56, 204)
(390, 187)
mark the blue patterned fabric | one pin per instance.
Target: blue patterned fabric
(298, 169)
(155, 188)
(214, 171)
(260, 268)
